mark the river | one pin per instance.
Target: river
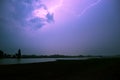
(33, 60)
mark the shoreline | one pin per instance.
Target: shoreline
(91, 69)
(7, 61)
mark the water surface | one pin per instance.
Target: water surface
(33, 60)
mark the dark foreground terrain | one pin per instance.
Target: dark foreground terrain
(92, 69)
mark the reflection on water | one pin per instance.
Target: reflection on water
(33, 60)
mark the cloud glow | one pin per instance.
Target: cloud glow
(40, 13)
(58, 10)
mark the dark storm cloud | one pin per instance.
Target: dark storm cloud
(20, 10)
(13, 14)
(50, 17)
(38, 22)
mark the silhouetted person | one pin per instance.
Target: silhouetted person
(1, 54)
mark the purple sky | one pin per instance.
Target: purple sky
(70, 27)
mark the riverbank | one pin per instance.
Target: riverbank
(91, 69)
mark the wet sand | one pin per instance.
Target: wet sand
(92, 69)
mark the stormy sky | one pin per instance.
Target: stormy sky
(69, 27)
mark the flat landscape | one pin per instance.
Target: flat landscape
(91, 69)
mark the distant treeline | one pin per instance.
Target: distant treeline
(50, 56)
(18, 55)
(57, 56)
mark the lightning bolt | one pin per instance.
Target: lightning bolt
(82, 12)
(91, 5)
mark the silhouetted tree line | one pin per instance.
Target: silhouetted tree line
(18, 55)
(1, 54)
(4, 55)
(50, 56)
